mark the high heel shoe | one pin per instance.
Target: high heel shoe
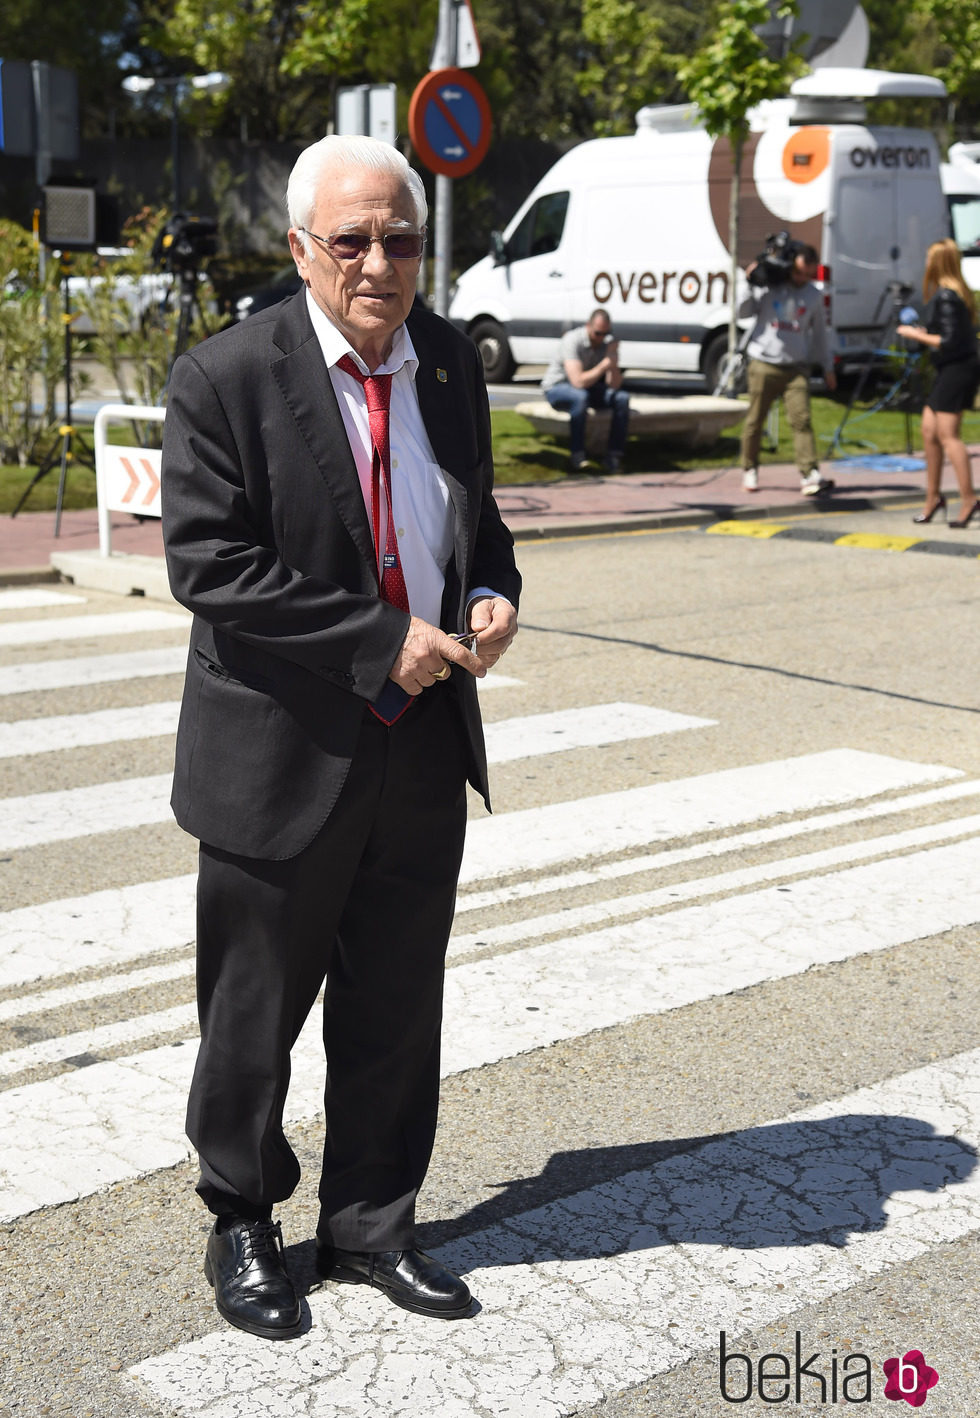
(960, 522)
(937, 506)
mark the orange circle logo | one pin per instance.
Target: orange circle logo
(806, 154)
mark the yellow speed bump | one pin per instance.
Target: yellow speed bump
(748, 529)
(876, 541)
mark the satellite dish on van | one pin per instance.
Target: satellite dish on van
(850, 49)
(839, 25)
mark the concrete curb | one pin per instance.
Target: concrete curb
(132, 574)
(659, 521)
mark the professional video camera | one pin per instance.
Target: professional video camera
(184, 243)
(774, 265)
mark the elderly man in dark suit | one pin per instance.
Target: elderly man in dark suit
(328, 517)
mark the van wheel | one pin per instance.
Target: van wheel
(715, 353)
(491, 340)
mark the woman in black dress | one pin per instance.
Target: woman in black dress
(949, 330)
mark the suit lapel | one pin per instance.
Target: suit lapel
(302, 377)
(441, 404)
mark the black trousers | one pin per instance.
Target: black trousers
(368, 908)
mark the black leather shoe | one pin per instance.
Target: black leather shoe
(252, 1291)
(410, 1279)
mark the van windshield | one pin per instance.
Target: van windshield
(965, 214)
(540, 229)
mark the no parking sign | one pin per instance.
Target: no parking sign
(449, 122)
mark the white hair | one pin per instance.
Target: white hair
(346, 152)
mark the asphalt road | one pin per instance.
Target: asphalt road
(712, 1011)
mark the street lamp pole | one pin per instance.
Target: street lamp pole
(143, 83)
(175, 141)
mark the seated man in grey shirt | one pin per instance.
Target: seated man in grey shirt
(585, 373)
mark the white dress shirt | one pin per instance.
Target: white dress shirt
(419, 494)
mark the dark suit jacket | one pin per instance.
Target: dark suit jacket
(269, 544)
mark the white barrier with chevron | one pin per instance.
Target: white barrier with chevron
(127, 476)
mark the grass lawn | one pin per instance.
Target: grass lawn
(79, 487)
(523, 456)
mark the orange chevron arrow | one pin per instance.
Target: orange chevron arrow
(134, 481)
(154, 478)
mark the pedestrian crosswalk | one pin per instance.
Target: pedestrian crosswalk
(664, 1259)
(575, 917)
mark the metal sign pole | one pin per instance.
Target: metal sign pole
(456, 142)
(40, 75)
(447, 30)
(444, 244)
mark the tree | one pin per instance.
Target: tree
(285, 59)
(957, 28)
(727, 78)
(626, 55)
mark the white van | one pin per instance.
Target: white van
(961, 186)
(639, 225)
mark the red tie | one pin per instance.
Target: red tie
(377, 389)
(392, 702)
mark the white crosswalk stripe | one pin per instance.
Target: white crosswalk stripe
(575, 917)
(61, 731)
(20, 598)
(592, 1292)
(698, 851)
(648, 1286)
(39, 818)
(90, 627)
(29, 678)
(527, 737)
(596, 724)
(43, 675)
(102, 929)
(107, 1036)
(101, 988)
(537, 837)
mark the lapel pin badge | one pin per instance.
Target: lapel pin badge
(442, 376)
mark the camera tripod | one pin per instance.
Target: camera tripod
(905, 390)
(66, 431)
(190, 306)
(733, 370)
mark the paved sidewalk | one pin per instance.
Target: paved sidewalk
(578, 505)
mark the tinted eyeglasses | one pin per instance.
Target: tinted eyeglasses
(349, 245)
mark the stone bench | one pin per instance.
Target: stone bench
(695, 419)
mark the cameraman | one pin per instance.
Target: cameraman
(788, 338)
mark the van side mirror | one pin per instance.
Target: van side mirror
(498, 248)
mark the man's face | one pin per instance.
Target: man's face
(597, 331)
(369, 297)
(803, 271)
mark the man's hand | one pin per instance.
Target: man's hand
(495, 621)
(425, 656)
(830, 380)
